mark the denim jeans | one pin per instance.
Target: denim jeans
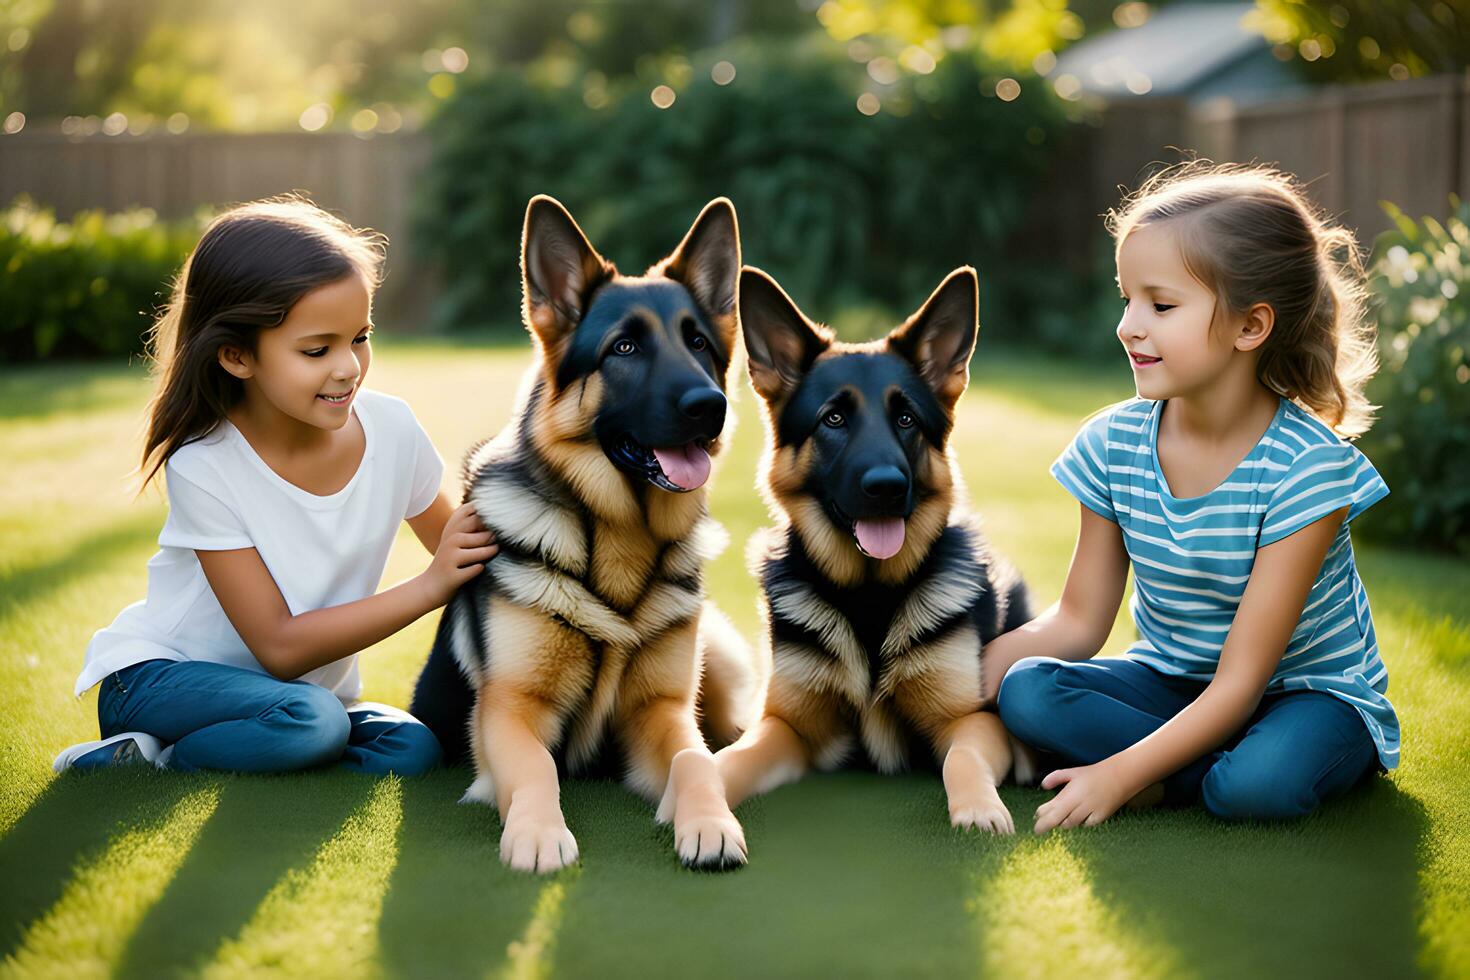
(1298, 748)
(221, 717)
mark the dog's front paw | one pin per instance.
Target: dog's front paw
(538, 843)
(706, 833)
(482, 790)
(982, 811)
(714, 840)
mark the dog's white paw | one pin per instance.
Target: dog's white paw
(714, 841)
(1025, 768)
(665, 812)
(984, 812)
(482, 790)
(538, 846)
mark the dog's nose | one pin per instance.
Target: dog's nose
(703, 405)
(885, 485)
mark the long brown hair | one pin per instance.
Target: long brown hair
(252, 264)
(1250, 235)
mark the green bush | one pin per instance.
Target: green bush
(84, 288)
(841, 207)
(1421, 441)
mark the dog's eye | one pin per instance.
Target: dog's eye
(905, 420)
(834, 420)
(624, 347)
(697, 343)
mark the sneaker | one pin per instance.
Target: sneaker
(124, 749)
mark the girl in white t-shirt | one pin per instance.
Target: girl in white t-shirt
(287, 481)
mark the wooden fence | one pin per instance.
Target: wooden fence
(1406, 142)
(370, 182)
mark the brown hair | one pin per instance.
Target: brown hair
(1250, 235)
(252, 264)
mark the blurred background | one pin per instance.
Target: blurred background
(869, 148)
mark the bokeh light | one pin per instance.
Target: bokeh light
(1008, 89)
(1127, 15)
(723, 73)
(662, 96)
(315, 117)
(883, 70)
(868, 104)
(917, 60)
(455, 60)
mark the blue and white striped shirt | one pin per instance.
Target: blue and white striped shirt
(1193, 556)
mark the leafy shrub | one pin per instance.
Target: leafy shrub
(82, 288)
(1421, 441)
(841, 207)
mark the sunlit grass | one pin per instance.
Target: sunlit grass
(1041, 918)
(83, 934)
(329, 909)
(331, 873)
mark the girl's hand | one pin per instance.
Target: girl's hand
(1090, 794)
(464, 548)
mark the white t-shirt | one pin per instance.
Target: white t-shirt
(321, 551)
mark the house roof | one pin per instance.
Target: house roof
(1182, 50)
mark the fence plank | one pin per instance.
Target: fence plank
(1406, 142)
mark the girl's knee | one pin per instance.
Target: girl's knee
(409, 749)
(313, 723)
(1235, 792)
(1027, 696)
(417, 752)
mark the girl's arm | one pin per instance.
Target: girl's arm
(428, 526)
(288, 646)
(1078, 624)
(1269, 611)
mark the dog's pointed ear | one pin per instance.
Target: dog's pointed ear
(780, 342)
(559, 271)
(939, 339)
(707, 261)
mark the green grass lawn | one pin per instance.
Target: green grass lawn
(327, 874)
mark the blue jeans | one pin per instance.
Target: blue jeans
(1298, 748)
(221, 717)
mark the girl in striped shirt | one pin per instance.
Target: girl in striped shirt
(1227, 485)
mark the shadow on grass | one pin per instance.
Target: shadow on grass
(1335, 894)
(73, 819)
(262, 828)
(452, 909)
(38, 391)
(32, 583)
(845, 869)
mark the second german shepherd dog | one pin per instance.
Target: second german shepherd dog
(879, 591)
(588, 636)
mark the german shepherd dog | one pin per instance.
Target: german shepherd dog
(878, 589)
(586, 641)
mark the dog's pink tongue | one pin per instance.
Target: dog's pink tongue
(880, 537)
(687, 467)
